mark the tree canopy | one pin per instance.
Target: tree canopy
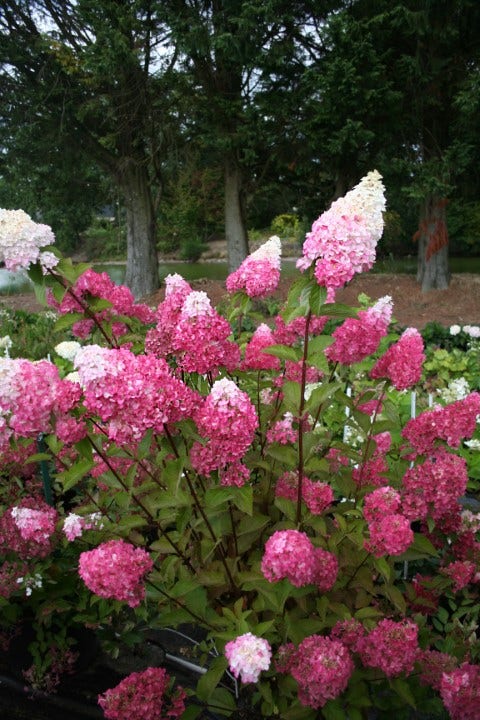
(290, 102)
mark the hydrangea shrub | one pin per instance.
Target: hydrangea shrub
(270, 485)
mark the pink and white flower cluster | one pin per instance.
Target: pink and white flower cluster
(100, 285)
(317, 496)
(390, 531)
(143, 696)
(116, 570)
(451, 423)
(290, 554)
(132, 393)
(434, 487)
(21, 240)
(28, 528)
(227, 420)
(402, 363)
(32, 396)
(391, 646)
(74, 525)
(343, 239)
(460, 692)
(321, 666)
(201, 341)
(259, 273)
(359, 337)
(247, 656)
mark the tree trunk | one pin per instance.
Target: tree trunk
(432, 268)
(235, 226)
(142, 262)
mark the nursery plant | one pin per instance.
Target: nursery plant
(267, 484)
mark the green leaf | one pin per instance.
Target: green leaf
(339, 311)
(333, 711)
(40, 293)
(66, 321)
(145, 445)
(192, 712)
(252, 524)
(223, 702)
(316, 299)
(243, 498)
(69, 478)
(218, 496)
(383, 567)
(284, 352)
(402, 689)
(300, 713)
(208, 682)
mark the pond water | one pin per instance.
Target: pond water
(18, 282)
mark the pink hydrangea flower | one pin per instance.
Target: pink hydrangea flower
(228, 419)
(259, 273)
(322, 668)
(247, 656)
(32, 394)
(36, 525)
(290, 554)
(143, 696)
(433, 664)
(359, 337)
(132, 393)
(434, 487)
(292, 332)
(391, 646)
(462, 573)
(234, 475)
(389, 535)
(74, 525)
(343, 240)
(383, 501)
(100, 285)
(282, 431)
(317, 496)
(349, 632)
(21, 239)
(201, 338)
(451, 423)
(159, 339)
(28, 528)
(255, 358)
(116, 569)
(460, 692)
(403, 361)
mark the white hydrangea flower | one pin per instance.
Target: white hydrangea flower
(455, 329)
(21, 239)
(68, 349)
(271, 250)
(197, 303)
(457, 389)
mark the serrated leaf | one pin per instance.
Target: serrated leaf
(208, 682)
(402, 689)
(316, 299)
(218, 496)
(338, 310)
(66, 321)
(284, 352)
(69, 478)
(40, 293)
(333, 710)
(242, 498)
